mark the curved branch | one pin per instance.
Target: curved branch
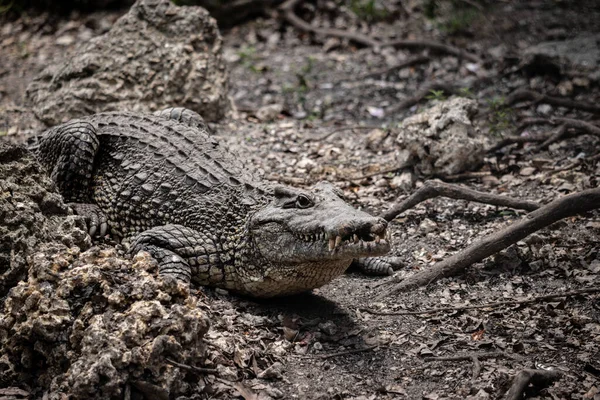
(433, 189)
(542, 217)
(436, 46)
(290, 16)
(525, 94)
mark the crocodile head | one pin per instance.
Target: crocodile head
(307, 238)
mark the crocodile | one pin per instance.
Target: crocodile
(163, 184)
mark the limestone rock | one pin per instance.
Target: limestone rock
(31, 213)
(157, 55)
(582, 52)
(441, 140)
(89, 325)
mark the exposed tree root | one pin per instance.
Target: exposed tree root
(396, 67)
(345, 352)
(423, 93)
(337, 130)
(525, 95)
(532, 300)
(290, 16)
(562, 131)
(434, 188)
(507, 141)
(464, 176)
(436, 46)
(475, 358)
(542, 217)
(535, 377)
(557, 134)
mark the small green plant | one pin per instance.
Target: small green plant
(465, 92)
(368, 10)
(248, 58)
(459, 21)
(436, 95)
(500, 116)
(5, 6)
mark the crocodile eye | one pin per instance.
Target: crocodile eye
(303, 201)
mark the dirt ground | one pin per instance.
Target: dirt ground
(293, 92)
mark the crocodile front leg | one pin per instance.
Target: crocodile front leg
(182, 252)
(68, 152)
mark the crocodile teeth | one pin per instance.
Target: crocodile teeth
(331, 244)
(377, 239)
(338, 241)
(356, 238)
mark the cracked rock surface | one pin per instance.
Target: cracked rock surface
(92, 324)
(155, 56)
(442, 139)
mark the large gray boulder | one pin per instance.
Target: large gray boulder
(441, 140)
(155, 56)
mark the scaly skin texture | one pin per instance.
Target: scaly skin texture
(162, 183)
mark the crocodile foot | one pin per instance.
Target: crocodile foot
(95, 219)
(378, 266)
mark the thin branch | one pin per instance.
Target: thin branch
(563, 207)
(469, 356)
(464, 176)
(582, 125)
(191, 368)
(556, 135)
(353, 351)
(436, 46)
(385, 71)
(432, 189)
(536, 377)
(290, 16)
(525, 94)
(341, 129)
(507, 141)
(423, 93)
(561, 132)
(380, 172)
(532, 300)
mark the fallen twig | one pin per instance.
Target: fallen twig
(542, 217)
(507, 141)
(380, 172)
(535, 377)
(287, 10)
(486, 305)
(423, 93)
(433, 188)
(469, 356)
(561, 132)
(290, 16)
(475, 358)
(525, 94)
(341, 129)
(384, 71)
(430, 44)
(464, 176)
(191, 368)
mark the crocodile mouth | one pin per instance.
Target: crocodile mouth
(373, 241)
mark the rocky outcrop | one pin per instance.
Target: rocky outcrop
(155, 56)
(87, 325)
(442, 139)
